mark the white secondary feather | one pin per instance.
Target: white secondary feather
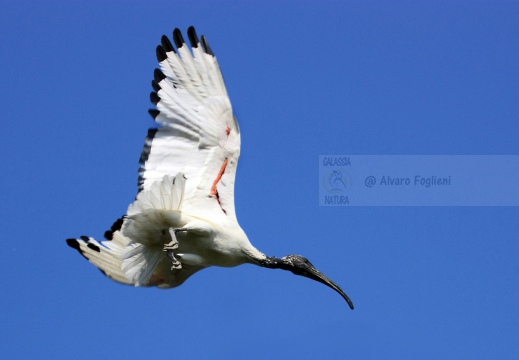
(155, 209)
(166, 194)
(139, 262)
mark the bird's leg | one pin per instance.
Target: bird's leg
(173, 245)
(197, 228)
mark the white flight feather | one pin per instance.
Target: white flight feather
(155, 209)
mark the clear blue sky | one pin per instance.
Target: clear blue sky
(305, 79)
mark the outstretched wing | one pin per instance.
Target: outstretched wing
(199, 136)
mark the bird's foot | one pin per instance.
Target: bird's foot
(173, 245)
(175, 264)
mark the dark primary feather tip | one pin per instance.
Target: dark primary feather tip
(193, 38)
(154, 98)
(108, 235)
(158, 75)
(85, 238)
(161, 54)
(93, 247)
(73, 243)
(151, 133)
(154, 113)
(155, 85)
(116, 226)
(177, 38)
(166, 44)
(206, 47)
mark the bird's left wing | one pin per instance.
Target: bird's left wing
(199, 136)
(108, 256)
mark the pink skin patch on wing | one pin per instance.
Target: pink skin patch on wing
(214, 191)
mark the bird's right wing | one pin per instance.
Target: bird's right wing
(199, 136)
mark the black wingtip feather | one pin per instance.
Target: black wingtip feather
(144, 156)
(154, 98)
(193, 38)
(206, 47)
(158, 75)
(116, 226)
(166, 44)
(161, 54)
(177, 38)
(74, 244)
(154, 113)
(155, 85)
(93, 247)
(151, 134)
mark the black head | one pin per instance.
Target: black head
(303, 267)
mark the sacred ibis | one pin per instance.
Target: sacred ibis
(183, 217)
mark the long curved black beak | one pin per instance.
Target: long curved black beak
(303, 267)
(316, 275)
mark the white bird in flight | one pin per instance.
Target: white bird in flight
(183, 218)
